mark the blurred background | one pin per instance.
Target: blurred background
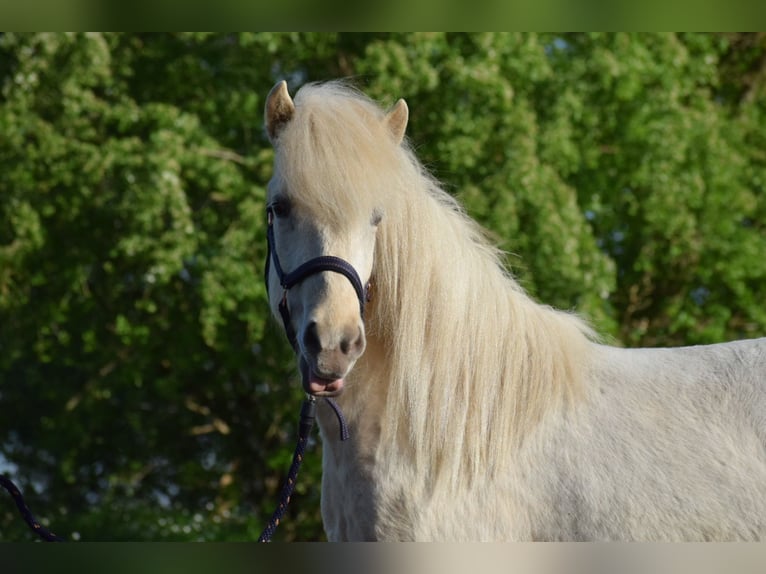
(145, 391)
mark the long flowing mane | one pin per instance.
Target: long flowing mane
(472, 363)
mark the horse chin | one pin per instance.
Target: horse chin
(317, 385)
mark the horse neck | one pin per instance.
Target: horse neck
(456, 348)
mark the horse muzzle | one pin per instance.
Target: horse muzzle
(328, 355)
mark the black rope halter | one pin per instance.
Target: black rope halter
(302, 272)
(308, 411)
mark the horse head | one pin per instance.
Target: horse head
(322, 233)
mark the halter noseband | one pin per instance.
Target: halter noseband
(304, 270)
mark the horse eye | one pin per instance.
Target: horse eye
(279, 207)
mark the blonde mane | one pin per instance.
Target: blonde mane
(328, 151)
(471, 362)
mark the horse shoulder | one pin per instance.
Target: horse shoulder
(665, 444)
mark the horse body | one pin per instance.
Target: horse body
(476, 413)
(666, 444)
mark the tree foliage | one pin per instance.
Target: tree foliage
(146, 392)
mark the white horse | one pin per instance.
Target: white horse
(476, 413)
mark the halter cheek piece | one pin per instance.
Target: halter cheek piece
(310, 267)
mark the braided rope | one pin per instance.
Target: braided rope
(26, 514)
(308, 414)
(307, 418)
(344, 434)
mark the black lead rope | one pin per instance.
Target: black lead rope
(26, 514)
(308, 415)
(306, 424)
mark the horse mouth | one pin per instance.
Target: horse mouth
(317, 384)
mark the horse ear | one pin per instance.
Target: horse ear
(396, 119)
(279, 110)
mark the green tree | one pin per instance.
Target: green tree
(133, 313)
(148, 395)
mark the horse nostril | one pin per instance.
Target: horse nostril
(353, 343)
(311, 338)
(349, 343)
